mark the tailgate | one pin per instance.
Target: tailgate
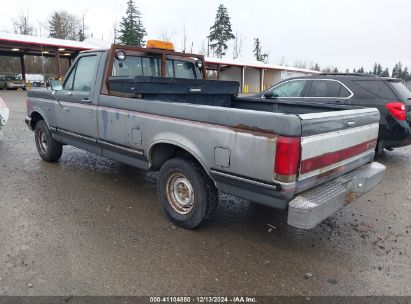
(334, 143)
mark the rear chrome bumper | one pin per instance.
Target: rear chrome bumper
(311, 207)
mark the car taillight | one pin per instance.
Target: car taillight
(397, 109)
(287, 158)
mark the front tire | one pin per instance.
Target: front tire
(49, 149)
(186, 192)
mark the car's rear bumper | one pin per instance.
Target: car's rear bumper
(313, 206)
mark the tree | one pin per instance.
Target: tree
(220, 32)
(374, 72)
(317, 67)
(237, 45)
(259, 55)
(335, 70)
(405, 75)
(63, 25)
(379, 70)
(80, 35)
(347, 70)
(22, 24)
(132, 31)
(386, 73)
(361, 70)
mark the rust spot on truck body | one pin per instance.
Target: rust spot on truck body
(254, 131)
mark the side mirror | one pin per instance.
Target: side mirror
(268, 95)
(56, 85)
(199, 64)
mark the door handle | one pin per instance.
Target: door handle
(86, 101)
(69, 93)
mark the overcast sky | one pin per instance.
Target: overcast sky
(343, 33)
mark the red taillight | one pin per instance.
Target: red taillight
(287, 158)
(397, 109)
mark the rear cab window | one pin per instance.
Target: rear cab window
(134, 65)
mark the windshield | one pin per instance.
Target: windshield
(401, 90)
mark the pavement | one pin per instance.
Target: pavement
(91, 226)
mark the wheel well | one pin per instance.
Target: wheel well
(162, 152)
(35, 118)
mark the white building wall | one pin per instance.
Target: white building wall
(232, 73)
(289, 74)
(251, 80)
(271, 77)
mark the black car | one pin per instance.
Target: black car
(388, 95)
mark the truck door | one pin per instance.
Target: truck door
(76, 109)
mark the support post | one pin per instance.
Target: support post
(242, 79)
(218, 72)
(23, 68)
(262, 74)
(57, 56)
(69, 59)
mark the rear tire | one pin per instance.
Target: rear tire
(187, 193)
(49, 149)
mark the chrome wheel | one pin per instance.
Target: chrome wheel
(42, 141)
(180, 193)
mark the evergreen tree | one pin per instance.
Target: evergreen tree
(386, 73)
(354, 71)
(375, 70)
(317, 67)
(395, 71)
(221, 32)
(379, 70)
(405, 75)
(347, 70)
(258, 52)
(335, 70)
(81, 36)
(361, 70)
(399, 73)
(132, 31)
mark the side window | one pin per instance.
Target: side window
(292, 88)
(68, 84)
(324, 88)
(85, 73)
(377, 88)
(344, 93)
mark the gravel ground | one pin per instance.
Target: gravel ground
(91, 226)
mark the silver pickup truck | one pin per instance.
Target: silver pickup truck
(153, 109)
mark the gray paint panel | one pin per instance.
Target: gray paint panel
(287, 125)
